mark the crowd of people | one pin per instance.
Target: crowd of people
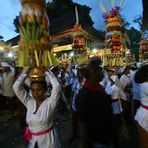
(100, 101)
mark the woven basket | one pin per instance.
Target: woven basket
(143, 137)
(114, 28)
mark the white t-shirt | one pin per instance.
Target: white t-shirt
(116, 94)
(7, 82)
(125, 82)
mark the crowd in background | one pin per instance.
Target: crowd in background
(102, 102)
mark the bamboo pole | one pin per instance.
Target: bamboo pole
(103, 7)
(113, 3)
(77, 15)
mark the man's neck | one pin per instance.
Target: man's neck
(93, 83)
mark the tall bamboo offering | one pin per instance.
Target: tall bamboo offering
(35, 40)
(114, 51)
(78, 34)
(78, 38)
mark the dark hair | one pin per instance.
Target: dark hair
(79, 72)
(127, 67)
(92, 63)
(142, 74)
(55, 70)
(85, 71)
(18, 70)
(44, 84)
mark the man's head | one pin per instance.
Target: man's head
(110, 72)
(92, 69)
(55, 70)
(141, 75)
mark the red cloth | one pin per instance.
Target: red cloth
(87, 85)
(99, 88)
(28, 135)
(144, 106)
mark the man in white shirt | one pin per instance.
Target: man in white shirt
(8, 78)
(136, 97)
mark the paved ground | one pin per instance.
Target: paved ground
(9, 132)
(10, 135)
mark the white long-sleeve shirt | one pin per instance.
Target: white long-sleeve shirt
(76, 87)
(136, 87)
(43, 119)
(126, 82)
(7, 82)
(142, 114)
(116, 94)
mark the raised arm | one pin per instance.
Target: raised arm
(19, 90)
(56, 87)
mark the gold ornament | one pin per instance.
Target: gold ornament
(37, 74)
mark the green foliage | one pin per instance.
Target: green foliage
(84, 16)
(1, 37)
(58, 8)
(16, 23)
(124, 22)
(134, 36)
(139, 21)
